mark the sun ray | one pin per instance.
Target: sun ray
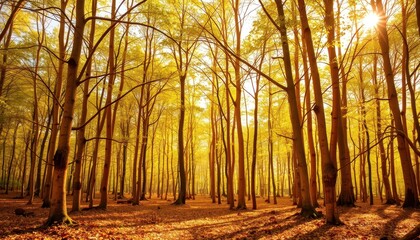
(370, 20)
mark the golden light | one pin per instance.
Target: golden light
(370, 20)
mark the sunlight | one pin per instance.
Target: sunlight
(370, 20)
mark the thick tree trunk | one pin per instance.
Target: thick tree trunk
(329, 168)
(307, 207)
(411, 194)
(346, 196)
(309, 127)
(336, 129)
(58, 210)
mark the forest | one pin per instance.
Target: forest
(252, 110)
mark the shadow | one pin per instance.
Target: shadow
(320, 231)
(390, 226)
(272, 226)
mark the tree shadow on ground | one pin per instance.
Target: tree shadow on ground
(270, 224)
(389, 228)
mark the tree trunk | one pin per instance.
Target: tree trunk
(35, 117)
(307, 207)
(58, 210)
(213, 143)
(311, 145)
(382, 153)
(346, 196)
(411, 195)
(183, 181)
(81, 140)
(329, 168)
(41, 156)
(56, 108)
(392, 166)
(12, 157)
(108, 113)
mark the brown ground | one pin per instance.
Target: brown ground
(200, 219)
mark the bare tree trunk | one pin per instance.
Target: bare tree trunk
(382, 153)
(108, 113)
(392, 166)
(411, 194)
(329, 168)
(12, 157)
(58, 210)
(56, 108)
(307, 207)
(311, 145)
(346, 196)
(81, 140)
(213, 143)
(35, 116)
(41, 157)
(418, 14)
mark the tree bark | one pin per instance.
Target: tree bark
(58, 210)
(183, 181)
(309, 127)
(329, 168)
(307, 207)
(411, 194)
(81, 140)
(108, 113)
(346, 196)
(46, 192)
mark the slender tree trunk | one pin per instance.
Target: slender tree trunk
(92, 178)
(40, 157)
(35, 117)
(418, 14)
(124, 170)
(108, 113)
(183, 181)
(392, 166)
(12, 157)
(56, 108)
(382, 153)
(311, 145)
(81, 140)
(213, 143)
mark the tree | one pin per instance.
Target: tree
(184, 43)
(346, 196)
(307, 207)
(56, 107)
(411, 194)
(58, 209)
(81, 139)
(108, 113)
(329, 168)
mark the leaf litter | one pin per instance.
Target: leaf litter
(201, 219)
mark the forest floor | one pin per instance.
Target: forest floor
(200, 219)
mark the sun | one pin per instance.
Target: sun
(370, 20)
